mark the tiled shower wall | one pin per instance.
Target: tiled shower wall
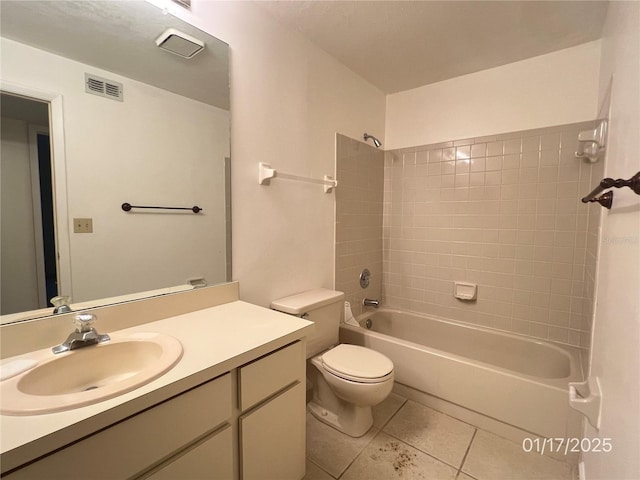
(502, 211)
(359, 196)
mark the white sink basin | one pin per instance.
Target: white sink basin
(55, 382)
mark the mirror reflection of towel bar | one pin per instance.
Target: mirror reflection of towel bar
(127, 207)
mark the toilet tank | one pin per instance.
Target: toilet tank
(324, 308)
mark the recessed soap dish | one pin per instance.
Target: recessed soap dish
(465, 291)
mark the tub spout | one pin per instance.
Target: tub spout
(367, 302)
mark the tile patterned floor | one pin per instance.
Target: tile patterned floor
(410, 441)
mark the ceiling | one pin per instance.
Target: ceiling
(119, 36)
(399, 45)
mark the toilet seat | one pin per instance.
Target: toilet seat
(358, 364)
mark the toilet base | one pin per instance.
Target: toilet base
(351, 419)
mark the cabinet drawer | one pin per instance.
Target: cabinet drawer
(135, 444)
(211, 459)
(267, 375)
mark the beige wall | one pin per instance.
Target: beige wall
(139, 168)
(360, 175)
(553, 89)
(503, 212)
(288, 99)
(615, 356)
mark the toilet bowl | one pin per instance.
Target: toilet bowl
(347, 380)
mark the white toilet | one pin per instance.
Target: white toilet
(347, 379)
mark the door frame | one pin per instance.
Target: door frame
(59, 174)
(34, 131)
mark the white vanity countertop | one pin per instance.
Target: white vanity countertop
(215, 340)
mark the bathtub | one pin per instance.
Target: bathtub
(513, 379)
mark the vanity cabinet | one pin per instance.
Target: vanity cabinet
(131, 446)
(248, 423)
(211, 458)
(272, 438)
(272, 425)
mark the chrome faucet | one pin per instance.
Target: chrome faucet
(367, 302)
(83, 336)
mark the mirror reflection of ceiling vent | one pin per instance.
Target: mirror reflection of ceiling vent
(103, 87)
(179, 43)
(183, 3)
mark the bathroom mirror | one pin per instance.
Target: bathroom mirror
(87, 91)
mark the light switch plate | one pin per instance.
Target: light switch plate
(83, 225)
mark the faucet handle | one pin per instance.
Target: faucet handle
(84, 321)
(61, 304)
(60, 300)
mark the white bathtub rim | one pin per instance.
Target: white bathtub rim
(563, 348)
(560, 384)
(572, 352)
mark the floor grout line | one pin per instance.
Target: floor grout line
(475, 429)
(396, 412)
(422, 451)
(316, 464)
(376, 431)
(451, 416)
(359, 453)
(464, 473)
(379, 430)
(478, 428)
(464, 459)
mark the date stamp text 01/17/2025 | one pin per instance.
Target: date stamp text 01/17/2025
(567, 445)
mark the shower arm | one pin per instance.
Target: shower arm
(376, 142)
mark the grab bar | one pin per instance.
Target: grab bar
(606, 200)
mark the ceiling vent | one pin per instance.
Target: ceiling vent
(184, 3)
(103, 87)
(179, 43)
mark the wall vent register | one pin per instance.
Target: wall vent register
(103, 87)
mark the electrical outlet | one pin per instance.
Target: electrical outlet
(83, 225)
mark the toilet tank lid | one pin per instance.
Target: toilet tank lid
(303, 302)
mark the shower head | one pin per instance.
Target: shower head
(376, 142)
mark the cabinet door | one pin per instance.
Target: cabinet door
(211, 459)
(272, 438)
